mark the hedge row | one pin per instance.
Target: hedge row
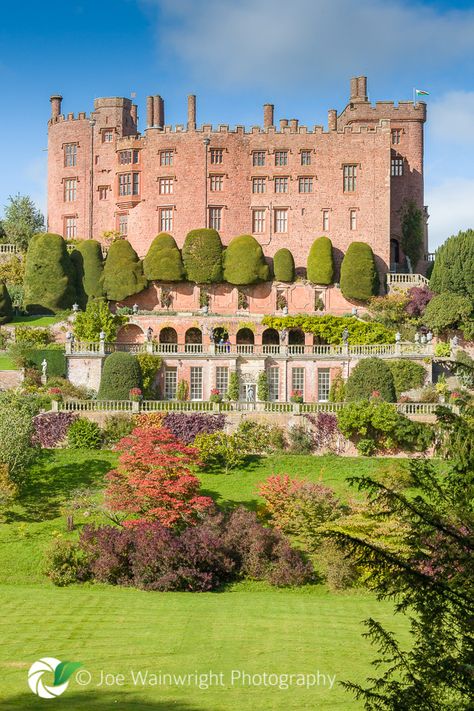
(55, 358)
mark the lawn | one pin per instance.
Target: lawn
(6, 362)
(250, 627)
(38, 319)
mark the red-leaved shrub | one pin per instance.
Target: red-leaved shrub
(187, 427)
(50, 428)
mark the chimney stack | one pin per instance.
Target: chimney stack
(134, 113)
(158, 111)
(268, 110)
(191, 112)
(294, 125)
(55, 105)
(149, 111)
(283, 124)
(358, 89)
(332, 120)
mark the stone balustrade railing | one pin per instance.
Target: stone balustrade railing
(405, 281)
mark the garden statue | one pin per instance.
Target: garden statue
(429, 337)
(283, 335)
(75, 308)
(44, 369)
(102, 336)
(398, 336)
(135, 308)
(149, 334)
(417, 337)
(454, 342)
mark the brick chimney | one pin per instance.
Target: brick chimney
(358, 89)
(149, 111)
(55, 105)
(294, 125)
(268, 110)
(191, 112)
(134, 113)
(158, 111)
(283, 124)
(332, 120)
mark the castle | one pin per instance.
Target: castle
(284, 184)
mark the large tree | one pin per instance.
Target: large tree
(49, 275)
(429, 575)
(21, 221)
(454, 265)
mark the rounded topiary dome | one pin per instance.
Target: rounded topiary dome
(163, 261)
(370, 375)
(120, 374)
(320, 265)
(244, 262)
(284, 265)
(359, 276)
(202, 256)
(123, 272)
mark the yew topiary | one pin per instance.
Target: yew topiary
(163, 261)
(284, 265)
(6, 308)
(89, 265)
(123, 272)
(370, 378)
(202, 256)
(49, 275)
(359, 276)
(120, 374)
(244, 262)
(454, 266)
(320, 265)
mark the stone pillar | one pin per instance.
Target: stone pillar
(268, 111)
(191, 112)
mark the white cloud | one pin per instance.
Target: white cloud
(451, 118)
(262, 43)
(451, 208)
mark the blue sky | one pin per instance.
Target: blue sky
(236, 55)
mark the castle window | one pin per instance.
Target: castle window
(103, 192)
(258, 158)
(166, 186)
(325, 220)
(273, 375)
(166, 157)
(350, 177)
(297, 379)
(396, 136)
(126, 157)
(195, 390)
(353, 219)
(70, 154)
(217, 183)
(171, 383)
(281, 220)
(305, 185)
(397, 167)
(305, 157)
(70, 189)
(107, 136)
(258, 221)
(259, 185)
(215, 218)
(281, 185)
(323, 384)
(222, 378)
(217, 155)
(281, 157)
(129, 184)
(123, 225)
(70, 227)
(166, 219)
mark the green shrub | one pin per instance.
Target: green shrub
(220, 450)
(12, 271)
(89, 265)
(123, 272)
(32, 337)
(413, 232)
(233, 390)
(328, 329)
(454, 265)
(84, 434)
(359, 276)
(284, 265)
(371, 375)
(406, 375)
(49, 275)
(96, 318)
(149, 367)
(337, 391)
(65, 563)
(320, 265)
(16, 429)
(300, 440)
(163, 261)
(6, 308)
(463, 367)
(446, 311)
(442, 350)
(263, 392)
(202, 256)
(116, 427)
(120, 374)
(244, 262)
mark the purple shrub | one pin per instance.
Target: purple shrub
(325, 429)
(51, 428)
(108, 549)
(420, 297)
(187, 427)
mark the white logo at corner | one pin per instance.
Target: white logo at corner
(35, 681)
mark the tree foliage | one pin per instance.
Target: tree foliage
(244, 262)
(16, 430)
(123, 272)
(89, 265)
(149, 365)
(49, 275)
(412, 232)
(320, 265)
(21, 221)
(6, 308)
(359, 276)
(454, 266)
(96, 318)
(370, 375)
(328, 329)
(406, 375)
(284, 265)
(121, 373)
(263, 391)
(163, 261)
(447, 311)
(202, 256)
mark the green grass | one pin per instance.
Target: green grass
(6, 362)
(38, 319)
(250, 626)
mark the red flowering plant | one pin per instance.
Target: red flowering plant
(153, 481)
(296, 396)
(216, 395)
(135, 394)
(55, 394)
(375, 394)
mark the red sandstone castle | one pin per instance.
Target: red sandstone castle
(284, 184)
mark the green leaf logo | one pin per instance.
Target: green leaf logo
(64, 670)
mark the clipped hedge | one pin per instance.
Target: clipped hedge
(320, 264)
(55, 358)
(244, 262)
(123, 272)
(370, 376)
(284, 265)
(120, 374)
(163, 261)
(89, 265)
(6, 308)
(50, 277)
(202, 256)
(359, 276)
(407, 375)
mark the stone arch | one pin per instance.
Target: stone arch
(168, 340)
(296, 337)
(193, 335)
(270, 337)
(245, 337)
(130, 333)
